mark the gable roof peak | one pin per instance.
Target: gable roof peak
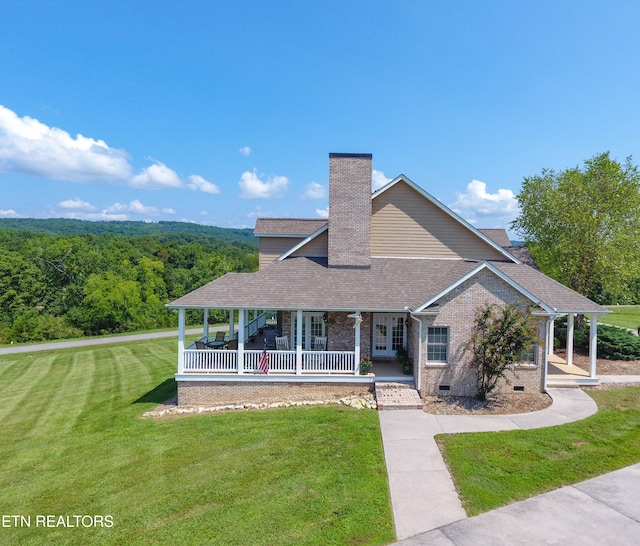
(405, 179)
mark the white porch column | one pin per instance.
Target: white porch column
(241, 317)
(181, 341)
(299, 342)
(593, 345)
(356, 349)
(545, 369)
(206, 323)
(570, 320)
(550, 338)
(232, 319)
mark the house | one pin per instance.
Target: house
(387, 270)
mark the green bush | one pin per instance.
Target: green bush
(613, 343)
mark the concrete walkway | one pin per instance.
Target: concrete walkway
(423, 496)
(601, 511)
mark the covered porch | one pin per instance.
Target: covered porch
(248, 348)
(562, 372)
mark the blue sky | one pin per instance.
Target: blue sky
(221, 112)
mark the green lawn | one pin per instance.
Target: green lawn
(74, 443)
(496, 468)
(625, 316)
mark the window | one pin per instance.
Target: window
(528, 358)
(437, 344)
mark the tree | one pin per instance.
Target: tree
(501, 336)
(582, 225)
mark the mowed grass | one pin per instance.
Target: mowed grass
(497, 468)
(73, 443)
(624, 316)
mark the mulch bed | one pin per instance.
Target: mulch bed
(504, 404)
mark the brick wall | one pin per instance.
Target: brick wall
(339, 330)
(200, 393)
(349, 210)
(457, 311)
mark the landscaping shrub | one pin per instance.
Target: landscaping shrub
(613, 343)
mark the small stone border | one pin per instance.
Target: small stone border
(170, 408)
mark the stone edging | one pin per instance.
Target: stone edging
(357, 402)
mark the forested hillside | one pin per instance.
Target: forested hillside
(65, 226)
(56, 285)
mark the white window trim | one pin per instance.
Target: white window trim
(447, 346)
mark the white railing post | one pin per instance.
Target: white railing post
(240, 356)
(206, 324)
(299, 343)
(181, 341)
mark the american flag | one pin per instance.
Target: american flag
(263, 363)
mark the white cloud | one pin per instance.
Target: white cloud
(155, 177)
(9, 213)
(102, 215)
(76, 204)
(253, 188)
(323, 213)
(500, 207)
(245, 150)
(197, 183)
(313, 190)
(134, 207)
(31, 147)
(259, 214)
(168, 211)
(378, 179)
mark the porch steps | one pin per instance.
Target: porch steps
(397, 396)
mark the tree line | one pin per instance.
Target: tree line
(55, 286)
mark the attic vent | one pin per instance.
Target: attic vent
(444, 387)
(518, 388)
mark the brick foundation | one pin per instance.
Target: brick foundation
(203, 393)
(462, 382)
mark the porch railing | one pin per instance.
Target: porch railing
(280, 362)
(251, 329)
(209, 360)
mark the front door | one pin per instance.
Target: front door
(389, 334)
(312, 326)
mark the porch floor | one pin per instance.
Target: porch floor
(382, 369)
(561, 373)
(389, 370)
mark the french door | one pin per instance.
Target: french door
(389, 334)
(312, 326)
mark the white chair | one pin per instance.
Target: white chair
(282, 343)
(320, 343)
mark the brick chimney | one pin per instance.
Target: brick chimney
(349, 210)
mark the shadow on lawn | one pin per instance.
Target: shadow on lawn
(159, 394)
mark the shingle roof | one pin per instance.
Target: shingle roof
(551, 292)
(498, 236)
(290, 227)
(389, 285)
(523, 254)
